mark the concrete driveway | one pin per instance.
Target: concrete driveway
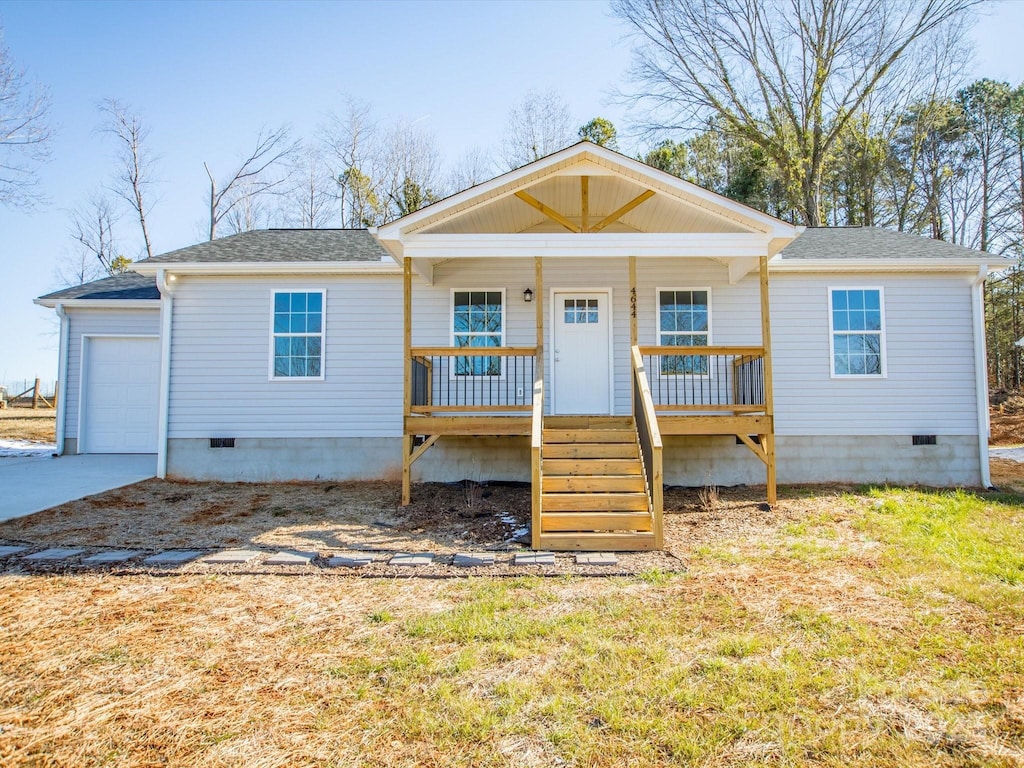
(33, 483)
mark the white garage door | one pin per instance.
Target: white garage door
(119, 411)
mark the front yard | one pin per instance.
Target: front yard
(847, 627)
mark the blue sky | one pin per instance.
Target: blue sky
(206, 76)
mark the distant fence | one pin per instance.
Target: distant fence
(29, 394)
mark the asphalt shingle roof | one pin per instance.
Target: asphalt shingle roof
(129, 285)
(873, 243)
(313, 245)
(280, 245)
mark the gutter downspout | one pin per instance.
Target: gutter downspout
(981, 371)
(62, 375)
(166, 316)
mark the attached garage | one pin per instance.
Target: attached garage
(120, 387)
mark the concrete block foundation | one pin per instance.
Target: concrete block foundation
(690, 461)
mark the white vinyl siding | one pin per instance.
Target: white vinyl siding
(929, 383)
(219, 385)
(110, 322)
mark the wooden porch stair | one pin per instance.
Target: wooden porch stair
(593, 492)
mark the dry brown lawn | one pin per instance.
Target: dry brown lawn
(822, 634)
(845, 627)
(26, 424)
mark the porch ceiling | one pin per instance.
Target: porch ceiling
(563, 194)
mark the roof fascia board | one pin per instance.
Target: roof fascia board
(99, 303)
(879, 265)
(597, 245)
(270, 268)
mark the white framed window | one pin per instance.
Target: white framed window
(478, 320)
(857, 337)
(297, 335)
(684, 320)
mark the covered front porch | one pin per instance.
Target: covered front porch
(597, 477)
(618, 354)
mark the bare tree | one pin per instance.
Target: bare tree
(352, 150)
(24, 132)
(250, 211)
(786, 75)
(77, 267)
(92, 228)
(411, 170)
(263, 172)
(537, 126)
(133, 178)
(310, 203)
(475, 166)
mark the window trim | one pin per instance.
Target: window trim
(881, 335)
(657, 328)
(323, 334)
(452, 376)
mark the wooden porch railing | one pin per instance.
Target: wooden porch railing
(650, 444)
(467, 379)
(729, 379)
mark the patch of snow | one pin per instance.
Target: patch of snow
(21, 448)
(1013, 454)
(508, 520)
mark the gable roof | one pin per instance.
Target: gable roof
(875, 243)
(667, 204)
(276, 246)
(129, 286)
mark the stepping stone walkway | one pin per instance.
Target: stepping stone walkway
(231, 557)
(411, 560)
(288, 557)
(173, 557)
(470, 559)
(113, 556)
(55, 553)
(8, 551)
(534, 558)
(596, 558)
(350, 561)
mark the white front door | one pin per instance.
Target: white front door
(581, 354)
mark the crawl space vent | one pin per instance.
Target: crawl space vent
(923, 439)
(222, 442)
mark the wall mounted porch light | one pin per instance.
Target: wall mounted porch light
(528, 295)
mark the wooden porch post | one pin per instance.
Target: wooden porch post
(768, 440)
(633, 335)
(538, 278)
(407, 397)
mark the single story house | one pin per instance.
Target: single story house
(584, 322)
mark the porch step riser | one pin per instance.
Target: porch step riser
(595, 521)
(592, 483)
(576, 436)
(594, 502)
(597, 542)
(591, 467)
(592, 451)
